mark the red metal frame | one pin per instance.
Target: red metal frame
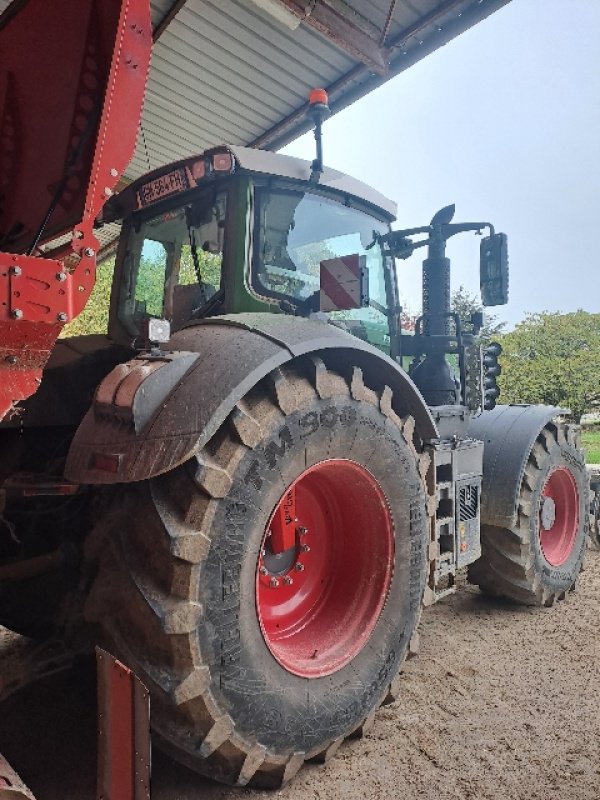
(37, 295)
(123, 732)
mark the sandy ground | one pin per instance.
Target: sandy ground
(502, 703)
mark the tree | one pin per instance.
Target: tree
(553, 358)
(210, 267)
(150, 287)
(94, 317)
(464, 304)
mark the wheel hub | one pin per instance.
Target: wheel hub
(324, 568)
(282, 567)
(277, 563)
(547, 513)
(559, 516)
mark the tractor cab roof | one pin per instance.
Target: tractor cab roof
(193, 172)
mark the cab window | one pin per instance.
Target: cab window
(173, 263)
(294, 232)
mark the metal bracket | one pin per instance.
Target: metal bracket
(37, 289)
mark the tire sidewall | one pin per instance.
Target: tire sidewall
(280, 710)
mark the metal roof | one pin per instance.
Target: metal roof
(240, 71)
(231, 72)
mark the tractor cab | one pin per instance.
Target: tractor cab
(236, 229)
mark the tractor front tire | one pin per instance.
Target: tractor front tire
(538, 560)
(258, 657)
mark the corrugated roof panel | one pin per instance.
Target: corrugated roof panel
(194, 117)
(221, 99)
(269, 72)
(417, 28)
(375, 13)
(229, 72)
(267, 48)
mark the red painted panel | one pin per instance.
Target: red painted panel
(54, 75)
(78, 102)
(340, 280)
(123, 732)
(120, 734)
(65, 71)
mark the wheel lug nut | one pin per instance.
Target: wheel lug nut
(299, 566)
(306, 548)
(288, 581)
(263, 570)
(273, 583)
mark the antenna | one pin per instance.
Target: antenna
(318, 111)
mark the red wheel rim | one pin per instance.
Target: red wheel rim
(325, 568)
(559, 516)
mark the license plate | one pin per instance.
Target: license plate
(170, 183)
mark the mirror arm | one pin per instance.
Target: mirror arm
(454, 228)
(400, 246)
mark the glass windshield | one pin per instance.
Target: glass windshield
(295, 232)
(173, 263)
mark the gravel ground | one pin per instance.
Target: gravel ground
(501, 704)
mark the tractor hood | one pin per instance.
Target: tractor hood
(67, 128)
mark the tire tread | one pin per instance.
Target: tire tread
(153, 597)
(507, 567)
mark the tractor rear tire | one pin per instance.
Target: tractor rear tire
(538, 560)
(187, 589)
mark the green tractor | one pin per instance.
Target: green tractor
(248, 489)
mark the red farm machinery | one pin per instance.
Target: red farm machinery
(250, 486)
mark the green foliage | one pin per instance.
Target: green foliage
(149, 287)
(210, 267)
(464, 304)
(94, 317)
(553, 358)
(150, 284)
(590, 439)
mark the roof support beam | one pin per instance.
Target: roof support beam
(341, 94)
(388, 22)
(161, 27)
(337, 21)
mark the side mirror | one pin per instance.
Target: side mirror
(344, 283)
(493, 270)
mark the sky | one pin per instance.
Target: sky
(503, 121)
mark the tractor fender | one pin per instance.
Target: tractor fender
(156, 411)
(508, 434)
